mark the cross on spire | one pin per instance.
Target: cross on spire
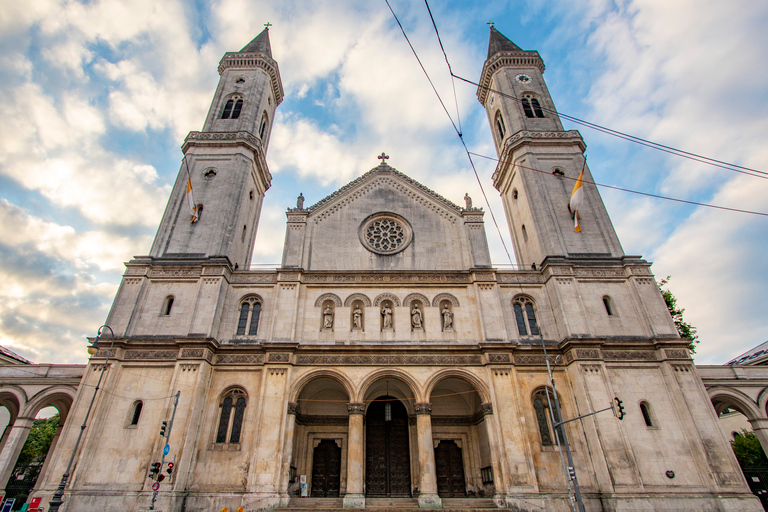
(491, 23)
(383, 157)
(267, 24)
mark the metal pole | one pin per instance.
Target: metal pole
(56, 501)
(167, 438)
(571, 473)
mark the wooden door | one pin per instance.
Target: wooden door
(387, 455)
(450, 470)
(326, 469)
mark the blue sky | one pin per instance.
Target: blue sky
(98, 96)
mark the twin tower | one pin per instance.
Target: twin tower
(539, 162)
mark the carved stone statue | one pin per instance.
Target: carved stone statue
(386, 312)
(300, 201)
(468, 200)
(447, 318)
(416, 317)
(357, 318)
(327, 318)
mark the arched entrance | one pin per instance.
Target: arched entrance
(450, 470)
(326, 469)
(387, 457)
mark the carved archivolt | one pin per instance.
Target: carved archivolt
(328, 296)
(386, 296)
(415, 296)
(357, 296)
(445, 296)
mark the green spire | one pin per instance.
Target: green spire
(260, 44)
(499, 43)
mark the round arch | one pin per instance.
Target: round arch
(391, 373)
(762, 401)
(13, 398)
(60, 397)
(456, 373)
(300, 384)
(723, 398)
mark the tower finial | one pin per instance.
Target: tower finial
(267, 24)
(491, 23)
(383, 157)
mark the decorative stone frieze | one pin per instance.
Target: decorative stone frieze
(534, 360)
(150, 354)
(499, 358)
(673, 353)
(388, 360)
(189, 353)
(279, 357)
(240, 359)
(249, 278)
(629, 355)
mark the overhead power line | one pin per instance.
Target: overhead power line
(637, 140)
(648, 194)
(456, 129)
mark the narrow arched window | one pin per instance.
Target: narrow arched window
(250, 312)
(500, 128)
(136, 412)
(227, 109)
(525, 317)
(536, 108)
(527, 107)
(263, 125)
(645, 409)
(541, 406)
(167, 305)
(230, 425)
(237, 109)
(608, 305)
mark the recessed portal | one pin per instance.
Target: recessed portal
(387, 459)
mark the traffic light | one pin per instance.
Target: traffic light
(154, 470)
(169, 469)
(618, 407)
(163, 426)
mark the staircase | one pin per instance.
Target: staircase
(387, 505)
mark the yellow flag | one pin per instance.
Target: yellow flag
(577, 200)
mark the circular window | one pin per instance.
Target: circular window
(385, 233)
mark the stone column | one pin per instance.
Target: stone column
(428, 497)
(354, 498)
(760, 427)
(285, 475)
(486, 410)
(12, 448)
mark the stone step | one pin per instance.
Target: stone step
(468, 503)
(387, 505)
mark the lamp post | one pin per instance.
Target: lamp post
(56, 501)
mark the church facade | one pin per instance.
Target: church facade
(387, 357)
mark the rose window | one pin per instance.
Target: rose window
(385, 234)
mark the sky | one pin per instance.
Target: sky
(97, 96)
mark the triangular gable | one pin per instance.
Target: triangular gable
(326, 205)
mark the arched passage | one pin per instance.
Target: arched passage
(388, 434)
(731, 399)
(321, 438)
(460, 435)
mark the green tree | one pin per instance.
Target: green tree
(748, 451)
(684, 329)
(39, 439)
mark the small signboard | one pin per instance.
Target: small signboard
(155, 486)
(166, 449)
(8, 505)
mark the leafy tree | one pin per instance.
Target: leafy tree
(39, 439)
(684, 329)
(748, 451)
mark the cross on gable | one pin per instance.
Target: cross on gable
(383, 157)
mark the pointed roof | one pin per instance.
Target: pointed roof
(385, 169)
(260, 44)
(499, 43)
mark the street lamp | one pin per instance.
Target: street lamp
(56, 501)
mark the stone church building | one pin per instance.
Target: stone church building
(387, 358)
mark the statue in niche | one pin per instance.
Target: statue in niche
(357, 318)
(300, 201)
(416, 317)
(327, 318)
(468, 200)
(447, 318)
(386, 312)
